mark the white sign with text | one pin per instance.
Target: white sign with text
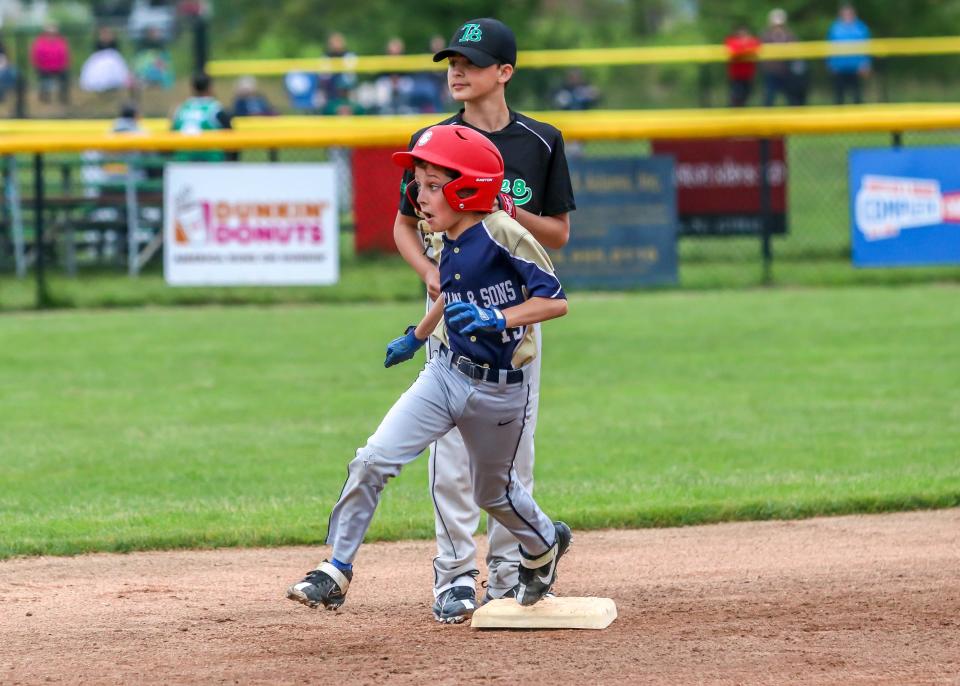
(232, 224)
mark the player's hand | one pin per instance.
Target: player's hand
(505, 202)
(432, 281)
(403, 348)
(467, 317)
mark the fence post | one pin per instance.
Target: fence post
(201, 43)
(896, 139)
(703, 85)
(133, 209)
(12, 192)
(43, 295)
(20, 111)
(881, 69)
(766, 247)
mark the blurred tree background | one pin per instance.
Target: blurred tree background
(299, 28)
(296, 28)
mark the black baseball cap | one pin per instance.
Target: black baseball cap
(484, 42)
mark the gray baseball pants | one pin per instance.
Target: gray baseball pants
(457, 516)
(491, 418)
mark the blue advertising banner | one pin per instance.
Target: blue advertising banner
(905, 206)
(624, 231)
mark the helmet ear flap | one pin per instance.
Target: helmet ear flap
(412, 190)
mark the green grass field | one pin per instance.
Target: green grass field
(733, 263)
(159, 428)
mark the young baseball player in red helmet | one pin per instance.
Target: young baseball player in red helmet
(496, 282)
(537, 191)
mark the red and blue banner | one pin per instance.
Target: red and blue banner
(905, 206)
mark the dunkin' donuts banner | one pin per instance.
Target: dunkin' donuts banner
(235, 224)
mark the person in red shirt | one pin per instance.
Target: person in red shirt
(50, 56)
(742, 47)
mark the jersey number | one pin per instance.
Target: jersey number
(515, 334)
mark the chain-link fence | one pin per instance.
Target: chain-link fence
(102, 214)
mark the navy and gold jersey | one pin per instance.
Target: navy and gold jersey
(535, 165)
(496, 263)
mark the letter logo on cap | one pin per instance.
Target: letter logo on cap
(471, 33)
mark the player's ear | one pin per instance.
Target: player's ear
(505, 73)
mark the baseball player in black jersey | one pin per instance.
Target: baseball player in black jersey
(537, 192)
(497, 283)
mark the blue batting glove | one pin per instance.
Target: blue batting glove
(403, 348)
(467, 317)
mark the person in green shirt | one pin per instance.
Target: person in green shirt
(198, 113)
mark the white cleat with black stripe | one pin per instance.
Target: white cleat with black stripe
(538, 574)
(326, 585)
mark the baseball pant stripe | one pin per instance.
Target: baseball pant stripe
(433, 494)
(510, 481)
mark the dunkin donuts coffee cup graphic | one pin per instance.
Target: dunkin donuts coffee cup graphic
(190, 221)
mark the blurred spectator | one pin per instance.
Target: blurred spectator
(430, 91)
(198, 113)
(152, 63)
(338, 100)
(335, 84)
(742, 47)
(342, 104)
(248, 101)
(303, 89)
(575, 93)
(147, 15)
(848, 71)
(394, 91)
(98, 170)
(106, 40)
(8, 75)
(50, 56)
(407, 92)
(127, 122)
(201, 111)
(105, 69)
(129, 119)
(786, 77)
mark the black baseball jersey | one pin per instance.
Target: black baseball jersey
(535, 165)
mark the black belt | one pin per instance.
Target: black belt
(468, 367)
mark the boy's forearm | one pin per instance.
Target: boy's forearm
(550, 231)
(430, 321)
(534, 311)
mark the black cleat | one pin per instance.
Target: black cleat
(538, 574)
(326, 585)
(455, 605)
(509, 593)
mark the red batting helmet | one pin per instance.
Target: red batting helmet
(468, 153)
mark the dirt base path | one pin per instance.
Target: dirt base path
(847, 600)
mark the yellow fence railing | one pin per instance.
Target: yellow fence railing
(671, 54)
(307, 132)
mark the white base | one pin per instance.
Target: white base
(549, 613)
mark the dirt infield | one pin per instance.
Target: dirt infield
(847, 600)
